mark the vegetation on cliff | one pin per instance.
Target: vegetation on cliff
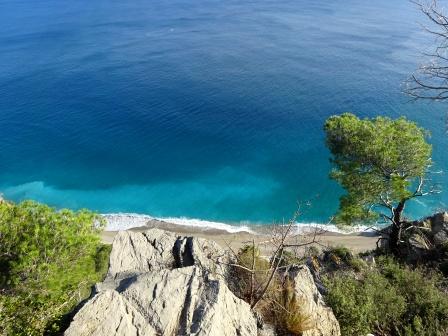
(387, 298)
(382, 164)
(48, 262)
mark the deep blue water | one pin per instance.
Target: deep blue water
(206, 109)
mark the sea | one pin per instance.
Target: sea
(205, 112)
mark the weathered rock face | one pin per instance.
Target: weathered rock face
(177, 302)
(439, 228)
(428, 236)
(424, 239)
(108, 313)
(141, 252)
(325, 322)
(160, 284)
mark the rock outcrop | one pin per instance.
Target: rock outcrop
(425, 239)
(439, 228)
(306, 290)
(162, 284)
(422, 240)
(136, 253)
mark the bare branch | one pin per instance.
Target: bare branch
(283, 236)
(430, 81)
(252, 275)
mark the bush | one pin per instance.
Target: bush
(341, 253)
(249, 256)
(280, 305)
(49, 261)
(357, 264)
(288, 258)
(312, 251)
(389, 300)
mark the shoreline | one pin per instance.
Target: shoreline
(126, 221)
(356, 241)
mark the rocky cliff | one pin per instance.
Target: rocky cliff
(161, 284)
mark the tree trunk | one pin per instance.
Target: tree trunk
(397, 224)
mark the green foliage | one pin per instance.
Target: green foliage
(102, 259)
(357, 264)
(288, 258)
(249, 256)
(311, 251)
(341, 252)
(374, 160)
(49, 260)
(389, 300)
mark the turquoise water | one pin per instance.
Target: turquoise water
(204, 109)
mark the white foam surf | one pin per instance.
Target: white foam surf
(125, 221)
(310, 227)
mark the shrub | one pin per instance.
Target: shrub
(288, 258)
(389, 300)
(280, 305)
(357, 264)
(312, 251)
(49, 261)
(249, 256)
(341, 253)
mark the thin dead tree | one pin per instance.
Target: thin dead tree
(282, 237)
(430, 81)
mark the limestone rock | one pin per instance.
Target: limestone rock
(421, 239)
(439, 222)
(109, 313)
(418, 241)
(140, 252)
(166, 302)
(326, 323)
(439, 227)
(206, 254)
(267, 330)
(161, 284)
(441, 238)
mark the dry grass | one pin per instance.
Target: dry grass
(291, 313)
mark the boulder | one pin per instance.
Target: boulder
(165, 302)
(306, 290)
(421, 240)
(140, 252)
(439, 228)
(161, 284)
(439, 222)
(109, 313)
(441, 238)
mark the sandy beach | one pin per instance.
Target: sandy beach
(358, 242)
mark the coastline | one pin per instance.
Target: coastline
(234, 236)
(126, 221)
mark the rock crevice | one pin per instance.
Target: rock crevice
(162, 284)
